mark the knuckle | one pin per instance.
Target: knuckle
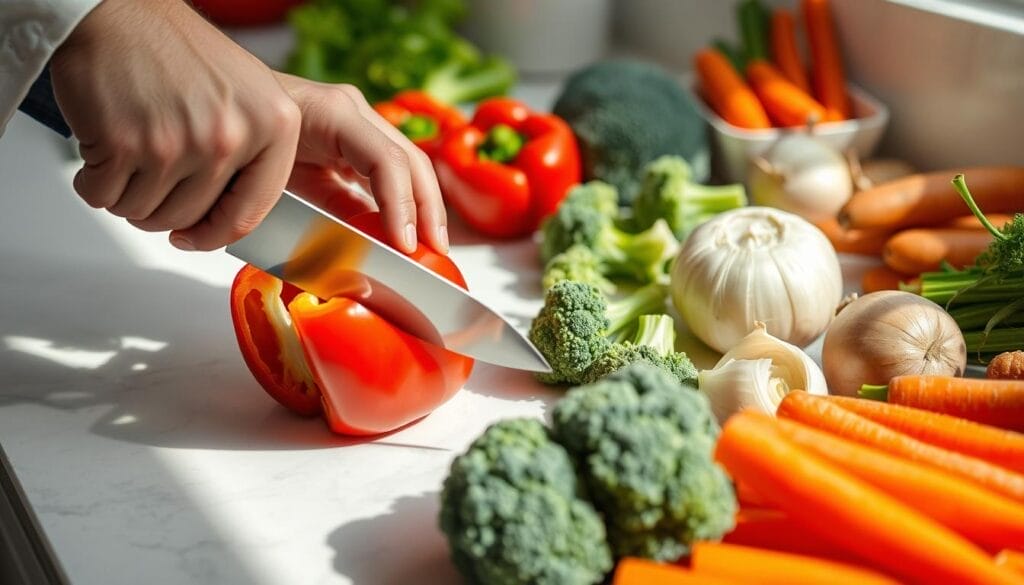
(164, 149)
(225, 139)
(285, 115)
(396, 156)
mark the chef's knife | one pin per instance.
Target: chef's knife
(304, 245)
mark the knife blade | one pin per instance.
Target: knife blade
(321, 254)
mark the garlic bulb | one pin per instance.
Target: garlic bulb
(757, 373)
(756, 264)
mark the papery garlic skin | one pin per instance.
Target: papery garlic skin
(756, 264)
(789, 362)
(740, 384)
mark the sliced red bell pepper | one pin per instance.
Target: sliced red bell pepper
(508, 169)
(336, 356)
(422, 119)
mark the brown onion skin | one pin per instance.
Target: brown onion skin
(886, 334)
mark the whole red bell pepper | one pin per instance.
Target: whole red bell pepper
(336, 357)
(508, 168)
(422, 119)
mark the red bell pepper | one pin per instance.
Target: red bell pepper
(422, 119)
(508, 169)
(337, 357)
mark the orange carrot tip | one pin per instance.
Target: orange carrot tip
(635, 571)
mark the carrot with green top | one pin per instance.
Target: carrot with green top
(995, 445)
(827, 75)
(849, 512)
(821, 413)
(786, 104)
(727, 93)
(636, 571)
(785, 53)
(994, 521)
(998, 403)
(765, 567)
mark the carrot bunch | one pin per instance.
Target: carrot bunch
(765, 84)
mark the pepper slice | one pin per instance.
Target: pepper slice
(366, 375)
(421, 118)
(508, 169)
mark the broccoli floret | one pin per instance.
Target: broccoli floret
(667, 191)
(513, 514)
(580, 264)
(585, 220)
(577, 325)
(627, 113)
(653, 343)
(643, 443)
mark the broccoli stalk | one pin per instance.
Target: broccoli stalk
(653, 343)
(455, 83)
(668, 192)
(577, 325)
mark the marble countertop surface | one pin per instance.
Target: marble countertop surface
(150, 454)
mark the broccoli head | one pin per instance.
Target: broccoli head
(642, 442)
(627, 113)
(654, 343)
(578, 263)
(577, 325)
(668, 191)
(584, 220)
(513, 514)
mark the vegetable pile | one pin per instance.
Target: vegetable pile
(384, 47)
(762, 83)
(626, 470)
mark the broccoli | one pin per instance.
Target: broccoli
(627, 113)
(585, 219)
(577, 325)
(512, 511)
(642, 443)
(579, 263)
(653, 343)
(667, 191)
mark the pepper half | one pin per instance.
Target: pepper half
(508, 169)
(337, 357)
(421, 118)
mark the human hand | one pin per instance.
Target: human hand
(343, 140)
(180, 128)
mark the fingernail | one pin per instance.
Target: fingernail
(442, 237)
(410, 236)
(182, 243)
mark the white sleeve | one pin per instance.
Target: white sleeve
(30, 31)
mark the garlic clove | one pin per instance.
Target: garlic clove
(789, 362)
(741, 384)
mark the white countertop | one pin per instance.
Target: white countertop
(147, 450)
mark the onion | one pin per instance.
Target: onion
(890, 333)
(801, 174)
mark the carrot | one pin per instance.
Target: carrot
(848, 512)
(970, 222)
(750, 565)
(827, 73)
(993, 522)
(999, 403)
(925, 249)
(786, 104)
(998, 446)
(635, 571)
(883, 278)
(820, 413)
(866, 242)
(1012, 559)
(928, 199)
(785, 54)
(727, 93)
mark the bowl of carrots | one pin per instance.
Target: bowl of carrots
(752, 92)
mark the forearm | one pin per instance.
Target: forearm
(31, 31)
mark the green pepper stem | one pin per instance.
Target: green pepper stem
(502, 144)
(961, 187)
(419, 127)
(878, 392)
